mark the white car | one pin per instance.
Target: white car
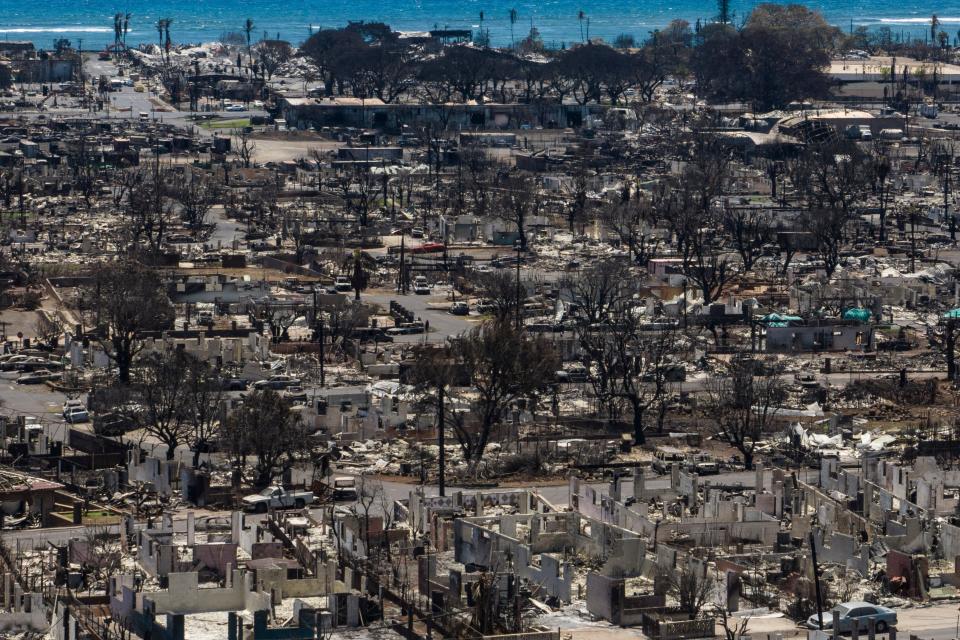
(277, 498)
(70, 405)
(76, 414)
(235, 107)
(421, 286)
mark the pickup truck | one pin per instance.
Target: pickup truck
(277, 498)
(344, 489)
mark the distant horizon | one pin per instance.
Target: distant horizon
(204, 21)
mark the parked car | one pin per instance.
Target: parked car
(70, 405)
(295, 394)
(407, 328)
(670, 373)
(233, 384)
(276, 383)
(573, 373)
(460, 308)
(485, 306)
(277, 498)
(806, 380)
(858, 613)
(112, 424)
(37, 377)
(665, 457)
(10, 364)
(35, 364)
(707, 468)
(344, 489)
(421, 286)
(343, 284)
(77, 414)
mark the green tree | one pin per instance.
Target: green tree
(161, 386)
(126, 299)
(502, 365)
(266, 429)
(742, 407)
(782, 54)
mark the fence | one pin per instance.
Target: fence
(529, 635)
(677, 629)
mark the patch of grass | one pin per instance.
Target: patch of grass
(99, 513)
(239, 123)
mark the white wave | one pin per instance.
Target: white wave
(942, 19)
(56, 30)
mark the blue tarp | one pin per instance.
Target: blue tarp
(778, 320)
(856, 313)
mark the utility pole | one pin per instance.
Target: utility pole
(519, 306)
(400, 281)
(318, 320)
(913, 240)
(816, 580)
(946, 206)
(323, 380)
(949, 340)
(442, 459)
(684, 303)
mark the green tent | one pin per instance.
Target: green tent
(952, 315)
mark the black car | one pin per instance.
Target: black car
(113, 424)
(233, 384)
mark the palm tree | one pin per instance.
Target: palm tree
(513, 21)
(248, 29)
(166, 34)
(160, 26)
(117, 28)
(580, 16)
(723, 7)
(126, 27)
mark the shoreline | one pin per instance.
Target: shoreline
(556, 31)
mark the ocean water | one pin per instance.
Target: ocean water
(91, 21)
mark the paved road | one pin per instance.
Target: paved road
(133, 103)
(38, 401)
(442, 323)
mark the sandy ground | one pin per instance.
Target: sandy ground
(13, 321)
(281, 150)
(271, 149)
(593, 633)
(938, 618)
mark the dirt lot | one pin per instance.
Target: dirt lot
(295, 147)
